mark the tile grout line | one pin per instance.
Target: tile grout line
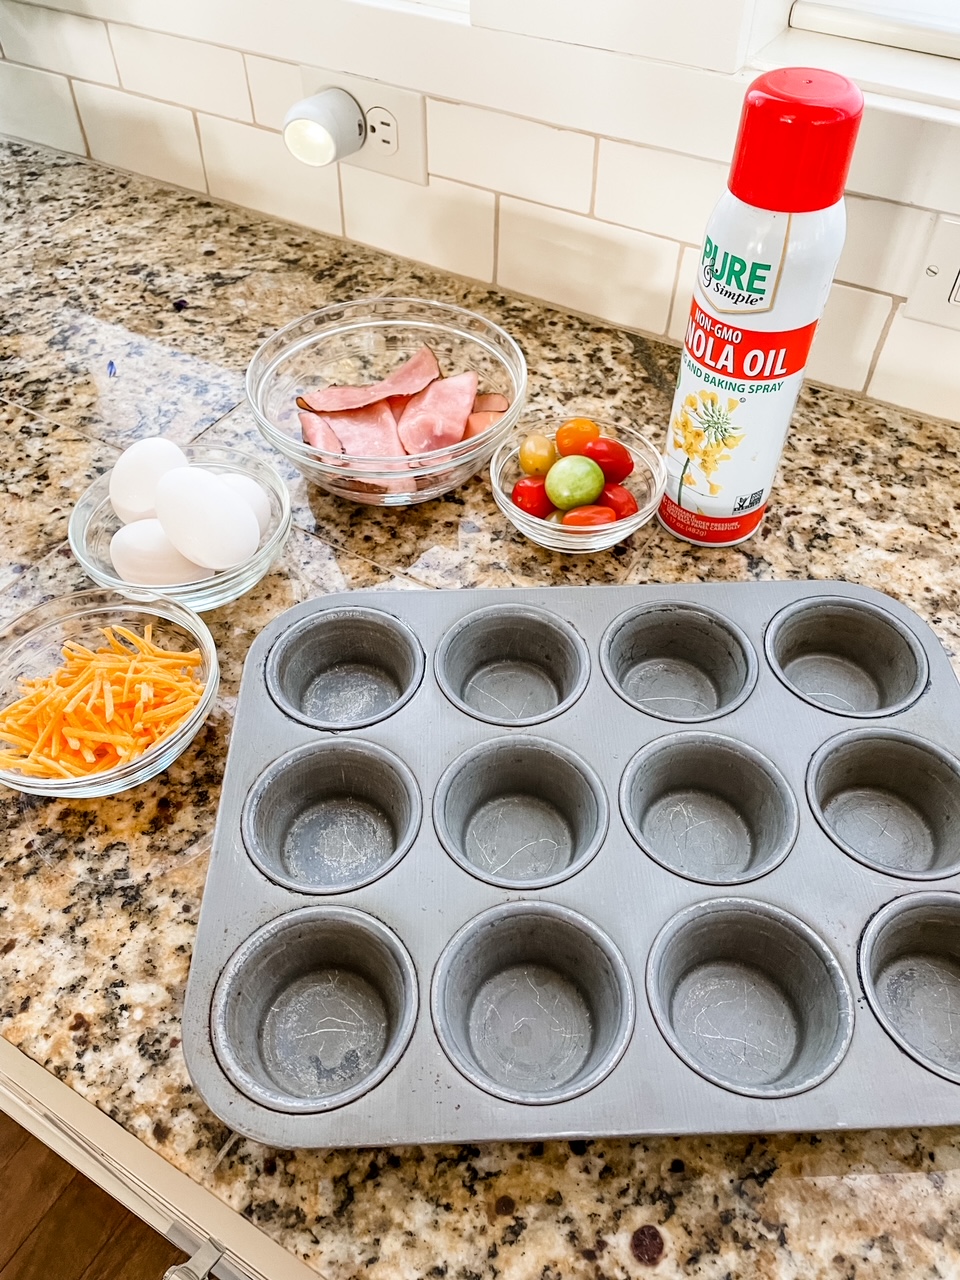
(881, 341)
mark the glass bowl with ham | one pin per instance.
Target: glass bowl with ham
(388, 401)
(646, 483)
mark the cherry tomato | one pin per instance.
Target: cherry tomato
(573, 435)
(537, 455)
(620, 500)
(588, 517)
(530, 495)
(555, 517)
(573, 482)
(610, 456)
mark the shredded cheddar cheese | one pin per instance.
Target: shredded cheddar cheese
(101, 709)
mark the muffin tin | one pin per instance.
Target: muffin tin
(584, 861)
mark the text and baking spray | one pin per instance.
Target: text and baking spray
(766, 266)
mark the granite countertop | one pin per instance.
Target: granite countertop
(131, 309)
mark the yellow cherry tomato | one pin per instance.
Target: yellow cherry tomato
(537, 455)
(573, 435)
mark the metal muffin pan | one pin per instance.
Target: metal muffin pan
(584, 861)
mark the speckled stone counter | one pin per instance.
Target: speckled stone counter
(127, 309)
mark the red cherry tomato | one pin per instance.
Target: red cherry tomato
(573, 435)
(530, 495)
(610, 456)
(620, 500)
(588, 517)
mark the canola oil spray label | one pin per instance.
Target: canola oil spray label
(734, 399)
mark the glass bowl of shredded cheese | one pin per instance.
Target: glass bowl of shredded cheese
(99, 693)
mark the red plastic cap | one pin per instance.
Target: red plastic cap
(795, 144)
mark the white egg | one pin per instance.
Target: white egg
(206, 520)
(254, 493)
(133, 480)
(143, 554)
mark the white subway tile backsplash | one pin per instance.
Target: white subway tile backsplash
(253, 167)
(274, 88)
(658, 191)
(513, 156)
(37, 106)
(62, 42)
(918, 368)
(444, 224)
(847, 337)
(683, 294)
(884, 246)
(904, 155)
(183, 71)
(595, 90)
(607, 271)
(700, 34)
(146, 137)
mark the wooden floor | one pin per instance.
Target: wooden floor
(56, 1225)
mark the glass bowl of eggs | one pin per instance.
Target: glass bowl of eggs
(200, 524)
(577, 484)
(388, 401)
(100, 693)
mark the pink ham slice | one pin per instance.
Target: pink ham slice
(477, 423)
(412, 376)
(318, 433)
(367, 432)
(492, 402)
(437, 416)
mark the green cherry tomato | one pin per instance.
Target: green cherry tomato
(620, 501)
(537, 455)
(611, 457)
(555, 517)
(529, 494)
(588, 517)
(574, 482)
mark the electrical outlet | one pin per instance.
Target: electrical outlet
(935, 297)
(396, 142)
(382, 135)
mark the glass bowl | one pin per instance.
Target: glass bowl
(31, 645)
(646, 482)
(353, 343)
(93, 523)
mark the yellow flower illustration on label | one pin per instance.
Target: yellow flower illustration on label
(704, 432)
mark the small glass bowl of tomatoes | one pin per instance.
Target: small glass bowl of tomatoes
(608, 483)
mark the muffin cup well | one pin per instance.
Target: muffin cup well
(314, 1009)
(910, 971)
(331, 816)
(847, 656)
(344, 668)
(520, 812)
(512, 665)
(678, 661)
(890, 800)
(709, 808)
(749, 997)
(532, 1003)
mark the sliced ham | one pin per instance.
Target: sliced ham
(318, 433)
(477, 423)
(397, 405)
(437, 416)
(367, 432)
(412, 376)
(492, 402)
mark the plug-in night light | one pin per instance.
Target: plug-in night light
(324, 128)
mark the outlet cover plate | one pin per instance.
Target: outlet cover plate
(935, 297)
(409, 161)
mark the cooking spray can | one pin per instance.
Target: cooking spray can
(768, 257)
